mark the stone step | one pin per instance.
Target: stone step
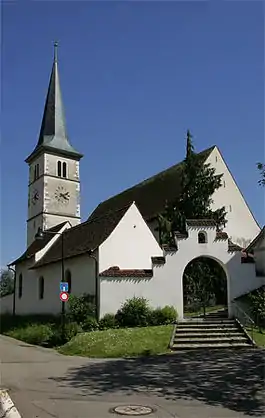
(189, 346)
(197, 340)
(206, 324)
(194, 329)
(208, 334)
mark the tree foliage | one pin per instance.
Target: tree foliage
(6, 282)
(261, 168)
(204, 283)
(198, 183)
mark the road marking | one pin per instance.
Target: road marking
(7, 407)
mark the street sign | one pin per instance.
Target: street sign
(64, 296)
(64, 287)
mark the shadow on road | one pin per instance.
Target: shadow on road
(233, 379)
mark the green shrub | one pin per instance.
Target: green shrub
(80, 307)
(257, 306)
(108, 321)
(163, 316)
(90, 324)
(38, 334)
(134, 312)
(71, 329)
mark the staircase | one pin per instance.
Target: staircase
(216, 330)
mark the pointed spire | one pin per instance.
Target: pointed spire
(53, 133)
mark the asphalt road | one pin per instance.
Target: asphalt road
(216, 384)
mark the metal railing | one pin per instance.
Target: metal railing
(244, 319)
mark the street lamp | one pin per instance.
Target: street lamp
(39, 236)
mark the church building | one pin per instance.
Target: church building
(115, 254)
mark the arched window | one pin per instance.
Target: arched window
(68, 279)
(202, 237)
(36, 171)
(64, 170)
(41, 287)
(59, 169)
(20, 286)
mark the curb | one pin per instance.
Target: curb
(7, 407)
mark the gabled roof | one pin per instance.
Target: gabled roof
(151, 195)
(38, 244)
(256, 240)
(83, 238)
(53, 134)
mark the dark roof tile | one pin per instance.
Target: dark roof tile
(116, 272)
(232, 248)
(221, 235)
(82, 238)
(150, 195)
(38, 244)
(201, 222)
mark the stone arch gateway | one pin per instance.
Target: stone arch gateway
(240, 277)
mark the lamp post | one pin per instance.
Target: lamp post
(39, 236)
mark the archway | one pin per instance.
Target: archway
(205, 287)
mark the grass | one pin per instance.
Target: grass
(258, 337)
(208, 309)
(124, 342)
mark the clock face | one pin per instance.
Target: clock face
(35, 197)
(62, 195)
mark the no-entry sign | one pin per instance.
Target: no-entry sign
(64, 296)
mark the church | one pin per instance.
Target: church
(115, 254)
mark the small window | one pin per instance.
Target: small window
(216, 159)
(64, 170)
(230, 208)
(68, 279)
(224, 183)
(36, 171)
(202, 237)
(41, 287)
(20, 286)
(59, 169)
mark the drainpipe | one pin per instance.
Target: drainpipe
(91, 255)
(15, 289)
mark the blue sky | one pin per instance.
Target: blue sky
(134, 76)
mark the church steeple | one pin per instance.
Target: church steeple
(53, 134)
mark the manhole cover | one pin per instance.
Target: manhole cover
(133, 410)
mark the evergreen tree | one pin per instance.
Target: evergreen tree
(198, 183)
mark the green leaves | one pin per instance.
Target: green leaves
(198, 183)
(261, 168)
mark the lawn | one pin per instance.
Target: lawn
(123, 342)
(208, 310)
(258, 337)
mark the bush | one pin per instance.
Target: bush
(257, 306)
(134, 312)
(108, 321)
(163, 316)
(80, 307)
(90, 324)
(38, 334)
(70, 331)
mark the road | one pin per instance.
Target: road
(217, 384)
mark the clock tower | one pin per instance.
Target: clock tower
(54, 184)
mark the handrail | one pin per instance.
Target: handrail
(248, 321)
(243, 312)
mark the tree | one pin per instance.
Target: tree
(198, 183)
(261, 168)
(6, 282)
(204, 282)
